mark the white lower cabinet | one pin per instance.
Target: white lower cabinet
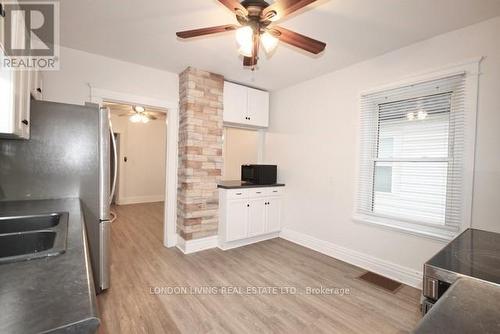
(256, 217)
(236, 212)
(249, 215)
(274, 214)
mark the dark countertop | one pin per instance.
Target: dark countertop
(473, 253)
(54, 294)
(240, 184)
(469, 306)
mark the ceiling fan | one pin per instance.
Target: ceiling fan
(136, 114)
(255, 18)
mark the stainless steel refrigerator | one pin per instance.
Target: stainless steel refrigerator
(68, 155)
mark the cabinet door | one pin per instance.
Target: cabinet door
(273, 214)
(256, 217)
(22, 104)
(235, 103)
(258, 108)
(2, 31)
(36, 85)
(7, 93)
(236, 220)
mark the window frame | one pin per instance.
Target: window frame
(471, 69)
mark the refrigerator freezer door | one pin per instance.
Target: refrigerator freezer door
(104, 245)
(104, 164)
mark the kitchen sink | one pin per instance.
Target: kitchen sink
(31, 237)
(28, 223)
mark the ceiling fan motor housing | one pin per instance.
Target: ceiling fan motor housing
(253, 19)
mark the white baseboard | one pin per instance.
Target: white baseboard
(244, 242)
(140, 199)
(391, 270)
(197, 245)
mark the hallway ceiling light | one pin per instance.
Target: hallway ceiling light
(139, 109)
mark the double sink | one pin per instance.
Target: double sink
(32, 237)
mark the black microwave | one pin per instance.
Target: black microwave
(259, 174)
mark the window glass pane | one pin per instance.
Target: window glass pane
(416, 128)
(383, 178)
(418, 191)
(240, 148)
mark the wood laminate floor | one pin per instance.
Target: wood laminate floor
(140, 264)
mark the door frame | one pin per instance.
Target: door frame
(98, 96)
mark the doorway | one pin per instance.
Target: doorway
(140, 133)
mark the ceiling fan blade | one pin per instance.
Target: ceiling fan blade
(298, 40)
(130, 113)
(234, 6)
(153, 113)
(206, 31)
(282, 8)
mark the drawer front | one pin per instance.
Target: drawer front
(257, 192)
(274, 191)
(237, 193)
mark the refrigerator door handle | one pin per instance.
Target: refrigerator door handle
(115, 164)
(104, 164)
(104, 245)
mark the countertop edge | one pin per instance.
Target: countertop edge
(249, 186)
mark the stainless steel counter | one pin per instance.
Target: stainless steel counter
(53, 294)
(469, 306)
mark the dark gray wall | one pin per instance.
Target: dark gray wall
(60, 160)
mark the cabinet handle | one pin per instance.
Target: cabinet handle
(2, 11)
(239, 193)
(25, 122)
(259, 192)
(248, 205)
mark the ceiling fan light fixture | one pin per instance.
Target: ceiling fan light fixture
(269, 42)
(244, 37)
(246, 50)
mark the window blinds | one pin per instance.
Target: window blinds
(412, 153)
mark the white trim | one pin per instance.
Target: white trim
(170, 216)
(388, 269)
(470, 66)
(97, 95)
(419, 230)
(197, 245)
(239, 243)
(140, 199)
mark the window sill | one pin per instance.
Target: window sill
(428, 232)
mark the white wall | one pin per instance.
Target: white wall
(240, 147)
(313, 137)
(142, 177)
(78, 69)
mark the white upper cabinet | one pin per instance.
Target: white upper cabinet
(245, 106)
(235, 102)
(2, 27)
(15, 90)
(258, 107)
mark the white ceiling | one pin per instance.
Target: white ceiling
(143, 32)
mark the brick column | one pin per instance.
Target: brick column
(200, 153)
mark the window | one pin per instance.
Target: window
(412, 164)
(241, 146)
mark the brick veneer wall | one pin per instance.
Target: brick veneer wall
(200, 153)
